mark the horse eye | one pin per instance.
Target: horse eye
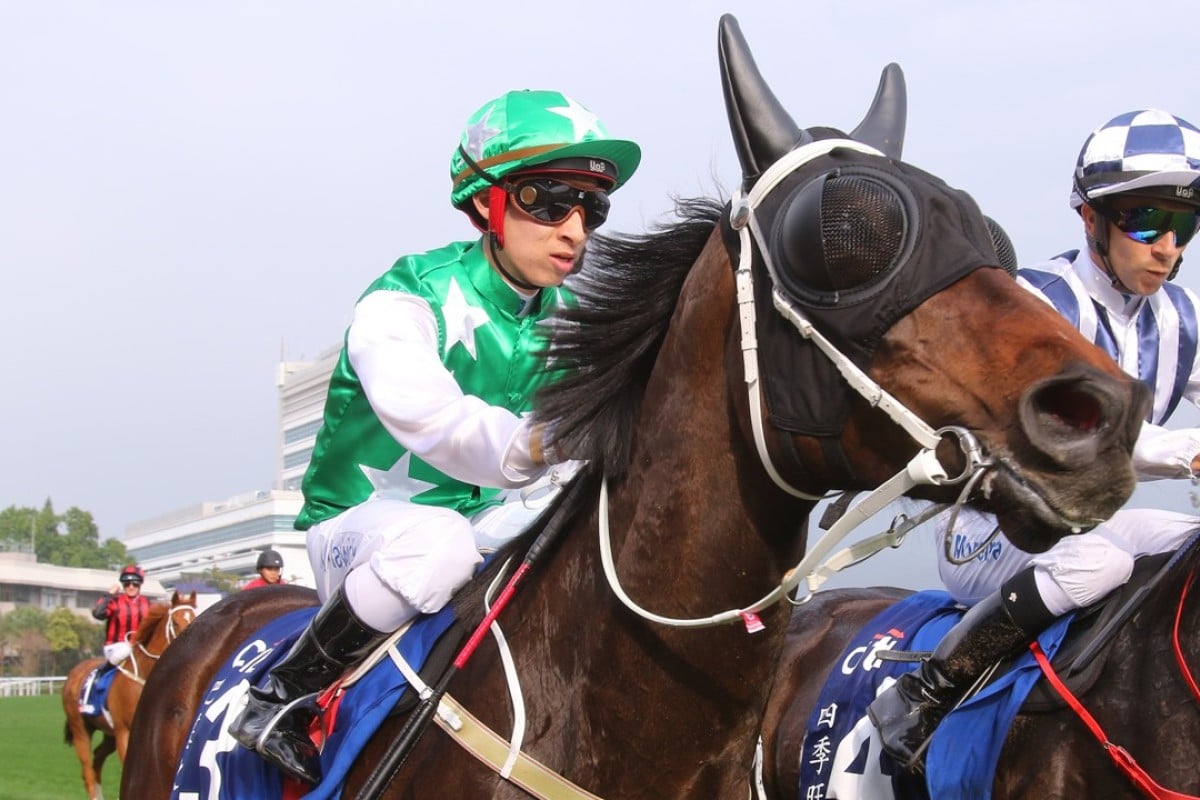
(838, 233)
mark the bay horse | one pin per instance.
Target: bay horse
(712, 457)
(1144, 697)
(162, 625)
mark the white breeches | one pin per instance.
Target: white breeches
(397, 559)
(1075, 572)
(117, 652)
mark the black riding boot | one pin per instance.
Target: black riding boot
(276, 719)
(907, 713)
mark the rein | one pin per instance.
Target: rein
(1121, 757)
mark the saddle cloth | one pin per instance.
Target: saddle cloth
(93, 695)
(842, 756)
(214, 766)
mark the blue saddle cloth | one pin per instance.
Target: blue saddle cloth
(214, 766)
(842, 756)
(93, 695)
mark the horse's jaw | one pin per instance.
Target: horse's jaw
(1035, 514)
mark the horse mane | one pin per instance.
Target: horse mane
(603, 349)
(151, 622)
(601, 352)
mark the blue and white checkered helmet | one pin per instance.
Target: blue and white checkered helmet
(1147, 152)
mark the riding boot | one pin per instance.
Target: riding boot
(907, 713)
(276, 720)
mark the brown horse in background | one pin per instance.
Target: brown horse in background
(162, 625)
(1140, 697)
(661, 401)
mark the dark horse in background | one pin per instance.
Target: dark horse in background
(657, 401)
(162, 625)
(1143, 696)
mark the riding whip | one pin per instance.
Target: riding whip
(418, 722)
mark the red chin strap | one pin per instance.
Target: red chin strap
(497, 201)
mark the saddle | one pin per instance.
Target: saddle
(1088, 644)
(352, 711)
(93, 695)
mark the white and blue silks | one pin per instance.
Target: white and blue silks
(1154, 339)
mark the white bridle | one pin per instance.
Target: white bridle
(923, 469)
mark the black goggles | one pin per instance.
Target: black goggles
(551, 201)
(1147, 225)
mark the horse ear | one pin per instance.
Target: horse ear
(762, 130)
(883, 126)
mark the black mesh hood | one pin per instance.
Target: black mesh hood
(840, 230)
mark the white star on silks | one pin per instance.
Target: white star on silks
(461, 319)
(584, 121)
(396, 482)
(479, 134)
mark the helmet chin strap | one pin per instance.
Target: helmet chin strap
(497, 204)
(1099, 243)
(495, 249)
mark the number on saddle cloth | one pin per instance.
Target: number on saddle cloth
(213, 765)
(842, 755)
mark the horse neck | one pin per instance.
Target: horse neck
(684, 546)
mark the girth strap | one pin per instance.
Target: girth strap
(492, 749)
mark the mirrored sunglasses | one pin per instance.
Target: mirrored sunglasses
(551, 201)
(1147, 225)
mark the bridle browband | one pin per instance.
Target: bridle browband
(923, 469)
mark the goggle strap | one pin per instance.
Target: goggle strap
(478, 170)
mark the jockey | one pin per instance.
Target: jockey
(1136, 187)
(270, 568)
(124, 609)
(426, 440)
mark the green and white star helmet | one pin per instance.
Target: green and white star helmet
(524, 129)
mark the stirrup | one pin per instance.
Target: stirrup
(304, 700)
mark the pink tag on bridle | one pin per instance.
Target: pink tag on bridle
(753, 623)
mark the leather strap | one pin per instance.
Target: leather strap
(1121, 757)
(492, 749)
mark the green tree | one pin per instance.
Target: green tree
(23, 646)
(63, 638)
(66, 540)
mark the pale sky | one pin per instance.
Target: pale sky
(187, 188)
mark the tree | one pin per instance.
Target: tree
(63, 638)
(22, 641)
(66, 540)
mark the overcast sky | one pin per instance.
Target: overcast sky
(188, 190)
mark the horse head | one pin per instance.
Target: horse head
(864, 263)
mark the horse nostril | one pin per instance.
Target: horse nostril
(1069, 405)
(1072, 417)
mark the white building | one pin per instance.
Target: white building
(26, 582)
(228, 535)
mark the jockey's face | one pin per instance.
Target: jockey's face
(132, 588)
(270, 574)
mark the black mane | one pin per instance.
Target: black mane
(604, 349)
(606, 346)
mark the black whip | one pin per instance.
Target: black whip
(418, 721)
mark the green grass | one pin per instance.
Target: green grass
(35, 762)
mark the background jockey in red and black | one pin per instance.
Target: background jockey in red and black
(124, 610)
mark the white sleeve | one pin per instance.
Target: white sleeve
(1160, 453)
(393, 346)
